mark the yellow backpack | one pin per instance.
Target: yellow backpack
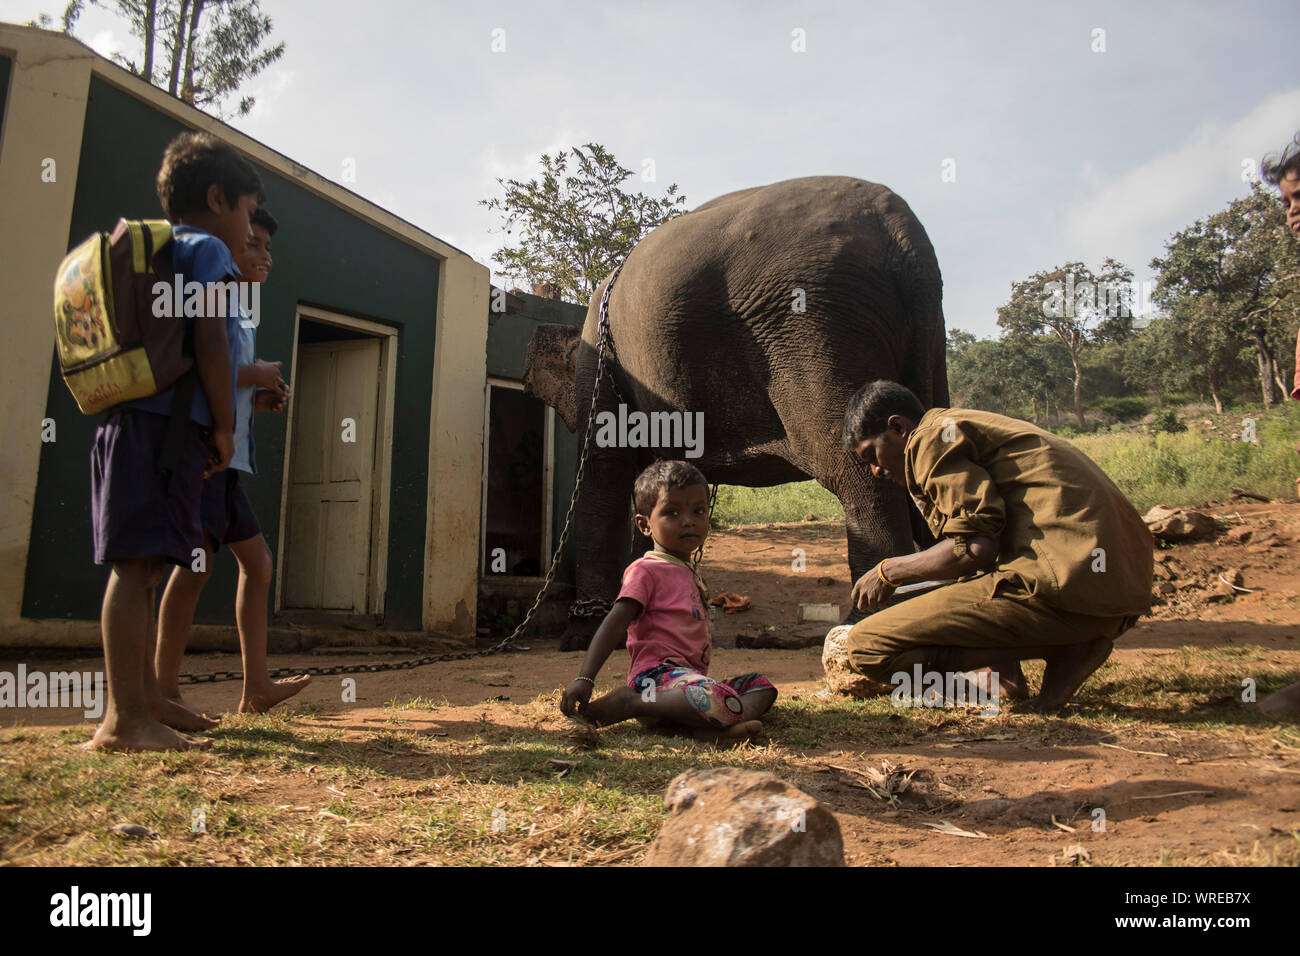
(112, 346)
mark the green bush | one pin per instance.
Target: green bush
(1124, 407)
(1167, 422)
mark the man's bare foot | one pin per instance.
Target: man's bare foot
(179, 716)
(743, 732)
(271, 693)
(143, 736)
(1012, 683)
(1067, 669)
(1015, 686)
(1283, 702)
(615, 706)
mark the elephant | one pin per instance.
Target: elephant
(764, 309)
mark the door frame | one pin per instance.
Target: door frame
(377, 586)
(548, 473)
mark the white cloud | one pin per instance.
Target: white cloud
(1171, 190)
(106, 43)
(266, 91)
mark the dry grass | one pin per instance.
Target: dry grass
(290, 789)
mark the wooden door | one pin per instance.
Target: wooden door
(328, 525)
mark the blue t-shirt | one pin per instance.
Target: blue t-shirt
(245, 459)
(199, 256)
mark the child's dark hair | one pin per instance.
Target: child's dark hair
(195, 161)
(1276, 168)
(664, 474)
(261, 217)
(868, 411)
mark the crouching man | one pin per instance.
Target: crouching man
(1069, 559)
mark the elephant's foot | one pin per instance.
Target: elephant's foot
(579, 632)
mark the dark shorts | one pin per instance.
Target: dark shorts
(225, 510)
(137, 511)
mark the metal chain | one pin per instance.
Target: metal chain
(604, 348)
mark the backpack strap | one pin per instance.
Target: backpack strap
(153, 235)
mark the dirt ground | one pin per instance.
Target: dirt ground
(1173, 782)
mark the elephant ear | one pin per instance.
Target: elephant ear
(550, 368)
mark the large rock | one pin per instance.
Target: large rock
(724, 816)
(1179, 524)
(840, 677)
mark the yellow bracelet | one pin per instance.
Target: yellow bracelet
(880, 572)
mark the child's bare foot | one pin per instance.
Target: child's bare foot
(179, 716)
(1283, 702)
(1066, 671)
(615, 706)
(744, 732)
(143, 736)
(271, 693)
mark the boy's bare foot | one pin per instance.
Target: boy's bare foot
(1067, 669)
(743, 732)
(1282, 702)
(179, 716)
(272, 693)
(615, 706)
(143, 736)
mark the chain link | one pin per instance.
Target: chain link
(604, 350)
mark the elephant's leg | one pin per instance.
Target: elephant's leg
(878, 522)
(601, 535)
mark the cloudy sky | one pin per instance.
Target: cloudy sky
(1075, 131)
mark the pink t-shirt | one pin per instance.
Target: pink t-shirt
(673, 625)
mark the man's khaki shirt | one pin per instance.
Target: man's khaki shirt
(1059, 520)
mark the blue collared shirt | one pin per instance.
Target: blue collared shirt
(199, 256)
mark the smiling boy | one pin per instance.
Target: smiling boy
(145, 513)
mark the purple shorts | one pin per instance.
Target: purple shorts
(136, 510)
(225, 511)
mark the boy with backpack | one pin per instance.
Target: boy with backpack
(228, 518)
(145, 511)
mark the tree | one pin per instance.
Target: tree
(573, 228)
(201, 51)
(1079, 307)
(1238, 269)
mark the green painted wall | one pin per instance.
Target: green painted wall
(322, 256)
(508, 337)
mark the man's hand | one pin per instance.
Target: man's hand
(870, 593)
(267, 401)
(576, 696)
(221, 445)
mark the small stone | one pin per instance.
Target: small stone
(810, 517)
(840, 677)
(133, 830)
(1178, 524)
(725, 816)
(1165, 588)
(1237, 535)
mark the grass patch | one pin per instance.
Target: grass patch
(779, 503)
(285, 789)
(1187, 468)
